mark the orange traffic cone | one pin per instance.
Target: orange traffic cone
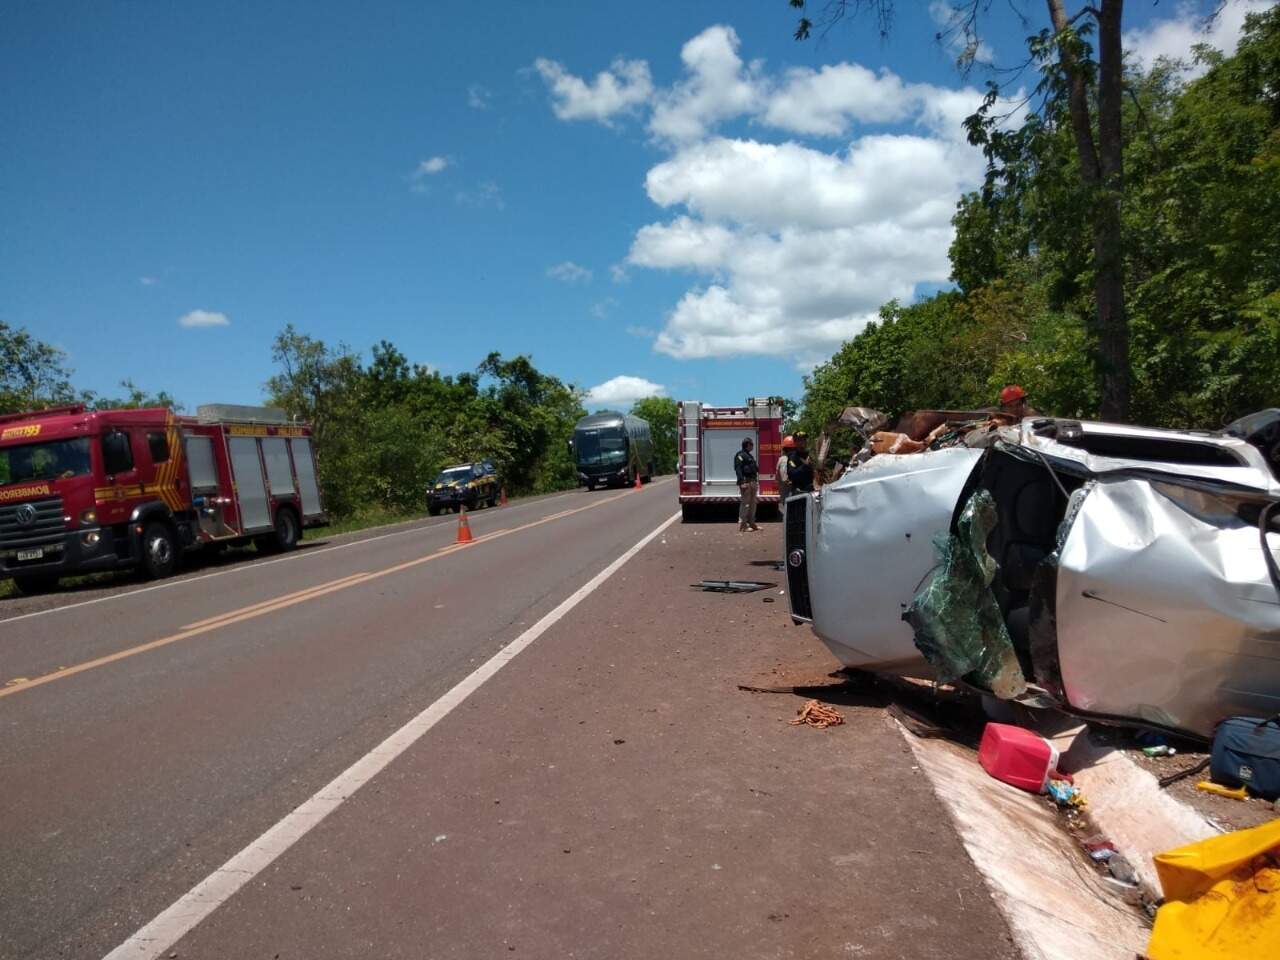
(464, 528)
(503, 501)
(638, 483)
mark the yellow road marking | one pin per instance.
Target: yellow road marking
(272, 602)
(287, 600)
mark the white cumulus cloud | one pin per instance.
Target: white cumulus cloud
(425, 170)
(569, 272)
(623, 391)
(478, 97)
(717, 85)
(791, 242)
(1174, 37)
(618, 90)
(203, 318)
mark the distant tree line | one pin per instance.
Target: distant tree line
(1201, 246)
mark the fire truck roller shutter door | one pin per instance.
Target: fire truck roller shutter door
(275, 454)
(719, 446)
(251, 489)
(305, 468)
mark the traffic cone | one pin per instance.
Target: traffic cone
(464, 528)
(503, 501)
(638, 483)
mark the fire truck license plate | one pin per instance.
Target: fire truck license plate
(31, 554)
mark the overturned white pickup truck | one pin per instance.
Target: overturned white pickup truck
(1122, 573)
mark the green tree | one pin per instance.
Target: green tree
(1087, 92)
(33, 374)
(662, 413)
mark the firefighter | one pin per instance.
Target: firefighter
(784, 484)
(747, 471)
(1013, 403)
(799, 469)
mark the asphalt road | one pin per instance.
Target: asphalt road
(609, 792)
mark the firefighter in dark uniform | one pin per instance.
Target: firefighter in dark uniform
(747, 471)
(799, 469)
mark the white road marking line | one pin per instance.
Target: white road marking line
(204, 898)
(242, 567)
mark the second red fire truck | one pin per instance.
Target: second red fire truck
(82, 491)
(709, 438)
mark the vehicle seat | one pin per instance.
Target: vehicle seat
(1028, 507)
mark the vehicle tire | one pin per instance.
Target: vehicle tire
(159, 549)
(288, 531)
(648, 477)
(33, 583)
(434, 511)
(591, 486)
(688, 512)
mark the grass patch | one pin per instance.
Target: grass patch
(376, 517)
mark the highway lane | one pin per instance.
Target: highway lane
(128, 780)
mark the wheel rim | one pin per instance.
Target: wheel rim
(284, 528)
(159, 550)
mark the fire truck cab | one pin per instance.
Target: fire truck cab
(709, 438)
(83, 491)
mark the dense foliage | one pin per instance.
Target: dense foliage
(383, 429)
(1201, 222)
(662, 413)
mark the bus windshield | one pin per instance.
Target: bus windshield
(600, 446)
(51, 460)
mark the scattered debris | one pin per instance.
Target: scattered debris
(1221, 897)
(1160, 750)
(1183, 774)
(1064, 794)
(1234, 793)
(1100, 850)
(815, 714)
(732, 586)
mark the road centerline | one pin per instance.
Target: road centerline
(287, 600)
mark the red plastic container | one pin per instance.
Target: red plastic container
(1017, 756)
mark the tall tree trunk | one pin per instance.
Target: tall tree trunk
(1102, 173)
(1108, 255)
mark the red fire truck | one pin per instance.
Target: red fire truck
(82, 491)
(709, 438)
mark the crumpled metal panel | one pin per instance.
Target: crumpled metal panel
(1165, 608)
(870, 542)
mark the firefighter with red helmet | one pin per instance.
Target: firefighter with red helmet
(1013, 403)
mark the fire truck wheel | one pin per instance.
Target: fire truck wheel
(434, 511)
(286, 536)
(33, 583)
(159, 551)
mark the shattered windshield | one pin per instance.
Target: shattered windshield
(600, 446)
(51, 460)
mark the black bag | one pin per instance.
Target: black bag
(1246, 753)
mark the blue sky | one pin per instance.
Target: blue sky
(673, 193)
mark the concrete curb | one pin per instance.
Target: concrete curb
(1056, 907)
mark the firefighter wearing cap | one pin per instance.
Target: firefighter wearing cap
(784, 482)
(1013, 403)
